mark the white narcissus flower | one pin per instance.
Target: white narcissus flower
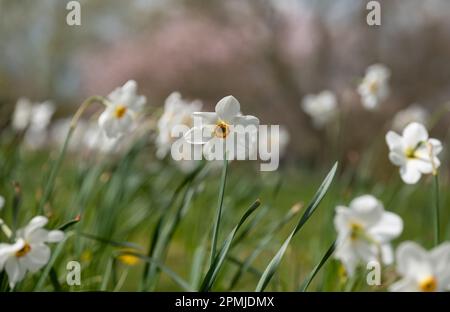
(35, 115)
(422, 270)
(176, 112)
(374, 88)
(321, 107)
(123, 105)
(29, 252)
(414, 152)
(221, 127)
(22, 114)
(365, 230)
(414, 113)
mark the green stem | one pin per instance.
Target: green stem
(55, 168)
(437, 238)
(219, 209)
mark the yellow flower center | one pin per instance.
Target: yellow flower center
(410, 153)
(428, 284)
(373, 86)
(120, 111)
(24, 251)
(356, 230)
(222, 130)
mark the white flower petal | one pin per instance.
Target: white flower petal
(55, 236)
(367, 209)
(440, 258)
(246, 120)
(228, 108)
(199, 135)
(413, 261)
(410, 174)
(404, 285)
(38, 256)
(206, 118)
(389, 227)
(414, 134)
(394, 140)
(33, 225)
(15, 271)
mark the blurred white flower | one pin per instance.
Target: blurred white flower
(29, 252)
(95, 139)
(374, 88)
(220, 128)
(33, 115)
(365, 230)
(2, 202)
(414, 113)
(123, 104)
(414, 152)
(22, 114)
(321, 107)
(176, 112)
(422, 270)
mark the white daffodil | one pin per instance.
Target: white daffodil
(29, 252)
(123, 105)
(374, 88)
(22, 114)
(422, 270)
(37, 116)
(321, 107)
(226, 128)
(414, 152)
(365, 230)
(414, 113)
(176, 112)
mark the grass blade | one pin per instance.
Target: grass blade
(246, 264)
(316, 269)
(111, 242)
(223, 182)
(218, 261)
(275, 262)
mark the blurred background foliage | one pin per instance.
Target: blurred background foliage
(268, 54)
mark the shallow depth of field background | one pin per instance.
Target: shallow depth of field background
(268, 54)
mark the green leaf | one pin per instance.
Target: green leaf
(316, 269)
(111, 242)
(219, 259)
(70, 223)
(275, 262)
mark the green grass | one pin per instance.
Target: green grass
(138, 205)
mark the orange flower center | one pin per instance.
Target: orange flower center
(222, 130)
(428, 284)
(24, 251)
(120, 111)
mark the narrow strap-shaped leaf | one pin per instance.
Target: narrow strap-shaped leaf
(70, 223)
(275, 262)
(219, 259)
(316, 269)
(111, 242)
